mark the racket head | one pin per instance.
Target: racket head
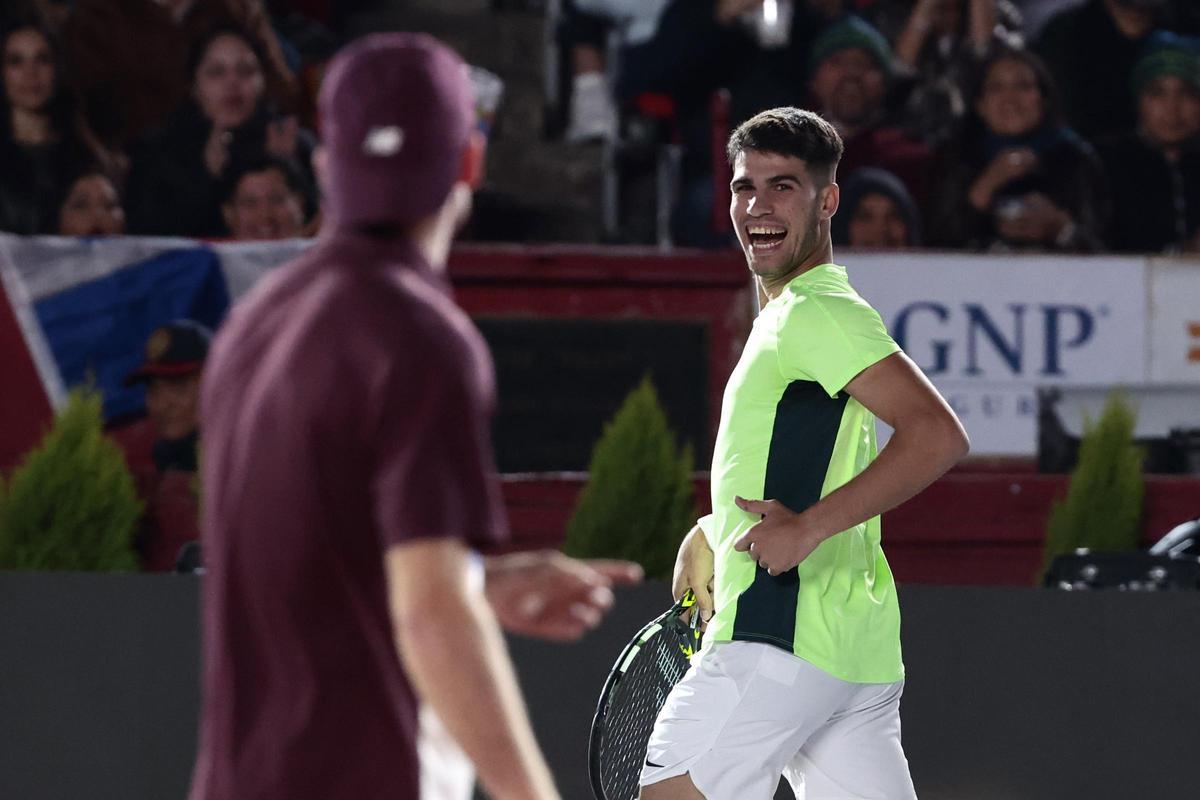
(633, 694)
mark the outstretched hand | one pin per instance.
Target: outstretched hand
(780, 541)
(548, 595)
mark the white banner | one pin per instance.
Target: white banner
(988, 330)
(1175, 321)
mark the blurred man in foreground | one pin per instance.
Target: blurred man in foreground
(349, 478)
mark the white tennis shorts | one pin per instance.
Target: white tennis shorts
(746, 713)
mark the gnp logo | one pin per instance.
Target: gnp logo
(1017, 339)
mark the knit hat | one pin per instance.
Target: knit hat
(851, 32)
(871, 180)
(1168, 54)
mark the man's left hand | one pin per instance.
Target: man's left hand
(780, 541)
(548, 595)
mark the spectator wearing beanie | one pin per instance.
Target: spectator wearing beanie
(1155, 172)
(1091, 49)
(876, 212)
(850, 73)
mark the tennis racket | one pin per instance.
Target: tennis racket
(649, 666)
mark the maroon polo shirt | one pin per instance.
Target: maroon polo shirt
(345, 408)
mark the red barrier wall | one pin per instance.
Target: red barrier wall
(24, 408)
(580, 282)
(966, 529)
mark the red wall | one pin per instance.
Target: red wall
(967, 528)
(612, 283)
(24, 408)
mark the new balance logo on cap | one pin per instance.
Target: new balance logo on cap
(383, 141)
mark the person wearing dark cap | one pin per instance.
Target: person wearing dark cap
(1155, 172)
(876, 213)
(174, 358)
(850, 73)
(348, 478)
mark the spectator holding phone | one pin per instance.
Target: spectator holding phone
(1016, 177)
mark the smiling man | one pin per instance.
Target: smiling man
(801, 673)
(263, 198)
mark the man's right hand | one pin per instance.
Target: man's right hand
(694, 570)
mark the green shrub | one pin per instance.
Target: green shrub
(639, 500)
(1103, 507)
(71, 504)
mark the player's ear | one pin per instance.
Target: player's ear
(320, 162)
(831, 198)
(471, 171)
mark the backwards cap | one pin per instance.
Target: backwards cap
(396, 113)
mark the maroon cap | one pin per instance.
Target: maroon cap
(396, 112)
(172, 351)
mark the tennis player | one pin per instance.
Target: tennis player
(348, 477)
(801, 673)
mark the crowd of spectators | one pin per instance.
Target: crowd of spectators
(963, 129)
(158, 117)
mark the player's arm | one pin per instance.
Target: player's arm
(928, 440)
(454, 654)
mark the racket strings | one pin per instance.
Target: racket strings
(639, 696)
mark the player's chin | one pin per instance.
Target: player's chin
(765, 263)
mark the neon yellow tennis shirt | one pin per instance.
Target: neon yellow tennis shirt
(789, 433)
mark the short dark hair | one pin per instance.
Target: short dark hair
(790, 132)
(239, 168)
(73, 173)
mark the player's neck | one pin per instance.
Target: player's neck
(773, 286)
(434, 234)
(433, 244)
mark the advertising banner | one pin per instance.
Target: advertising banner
(988, 330)
(1175, 321)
